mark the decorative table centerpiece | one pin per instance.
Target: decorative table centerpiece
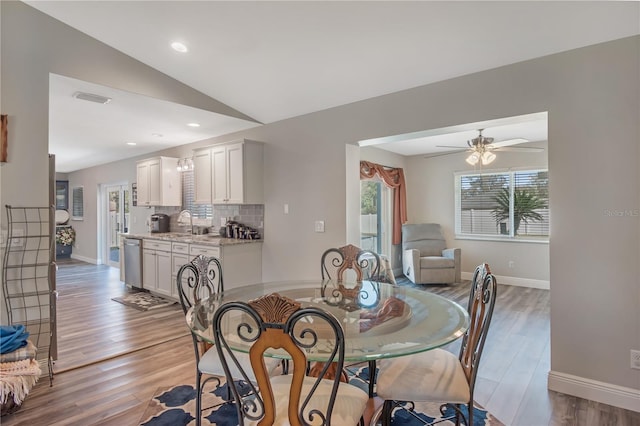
(65, 236)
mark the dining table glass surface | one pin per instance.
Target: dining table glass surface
(380, 320)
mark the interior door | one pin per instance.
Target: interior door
(117, 221)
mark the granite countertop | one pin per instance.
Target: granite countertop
(182, 237)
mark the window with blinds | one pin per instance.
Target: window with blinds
(77, 203)
(201, 211)
(512, 204)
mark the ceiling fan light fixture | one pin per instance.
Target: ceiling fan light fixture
(487, 157)
(473, 158)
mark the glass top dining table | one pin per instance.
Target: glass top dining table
(380, 320)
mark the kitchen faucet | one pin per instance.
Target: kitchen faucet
(181, 219)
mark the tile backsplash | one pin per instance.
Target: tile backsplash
(247, 214)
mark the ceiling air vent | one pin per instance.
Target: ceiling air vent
(91, 97)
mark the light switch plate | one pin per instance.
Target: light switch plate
(319, 226)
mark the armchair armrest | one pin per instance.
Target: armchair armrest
(455, 254)
(411, 263)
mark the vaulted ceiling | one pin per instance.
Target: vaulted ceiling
(276, 60)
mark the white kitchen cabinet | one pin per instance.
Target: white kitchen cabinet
(241, 263)
(159, 182)
(208, 251)
(230, 173)
(219, 174)
(202, 176)
(179, 256)
(161, 260)
(156, 267)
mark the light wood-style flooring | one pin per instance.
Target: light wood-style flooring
(94, 385)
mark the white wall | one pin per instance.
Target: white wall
(592, 97)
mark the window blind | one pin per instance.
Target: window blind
(201, 211)
(506, 204)
(77, 206)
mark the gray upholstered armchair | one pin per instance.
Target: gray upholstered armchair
(425, 258)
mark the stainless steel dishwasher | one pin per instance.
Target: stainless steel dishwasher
(133, 262)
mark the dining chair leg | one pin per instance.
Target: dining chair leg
(385, 417)
(469, 420)
(198, 398)
(372, 377)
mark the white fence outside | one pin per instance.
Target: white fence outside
(482, 222)
(369, 232)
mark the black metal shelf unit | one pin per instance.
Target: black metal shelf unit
(26, 276)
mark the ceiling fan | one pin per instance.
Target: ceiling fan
(481, 148)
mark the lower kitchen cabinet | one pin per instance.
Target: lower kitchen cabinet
(241, 264)
(156, 267)
(179, 256)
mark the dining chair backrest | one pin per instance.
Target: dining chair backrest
(275, 321)
(482, 299)
(199, 279)
(336, 261)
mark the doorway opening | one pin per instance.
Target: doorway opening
(116, 216)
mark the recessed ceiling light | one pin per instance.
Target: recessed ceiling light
(131, 143)
(193, 124)
(179, 47)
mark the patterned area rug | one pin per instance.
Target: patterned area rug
(144, 301)
(176, 406)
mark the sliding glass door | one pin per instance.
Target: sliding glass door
(375, 216)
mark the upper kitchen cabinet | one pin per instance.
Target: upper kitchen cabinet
(229, 173)
(159, 182)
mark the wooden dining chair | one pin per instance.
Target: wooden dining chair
(277, 322)
(198, 280)
(438, 375)
(336, 261)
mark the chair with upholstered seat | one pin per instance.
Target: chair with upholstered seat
(277, 322)
(336, 261)
(425, 256)
(438, 375)
(197, 280)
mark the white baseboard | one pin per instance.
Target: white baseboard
(86, 259)
(520, 282)
(593, 390)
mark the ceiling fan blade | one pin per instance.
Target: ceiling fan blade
(440, 154)
(518, 149)
(508, 142)
(453, 147)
